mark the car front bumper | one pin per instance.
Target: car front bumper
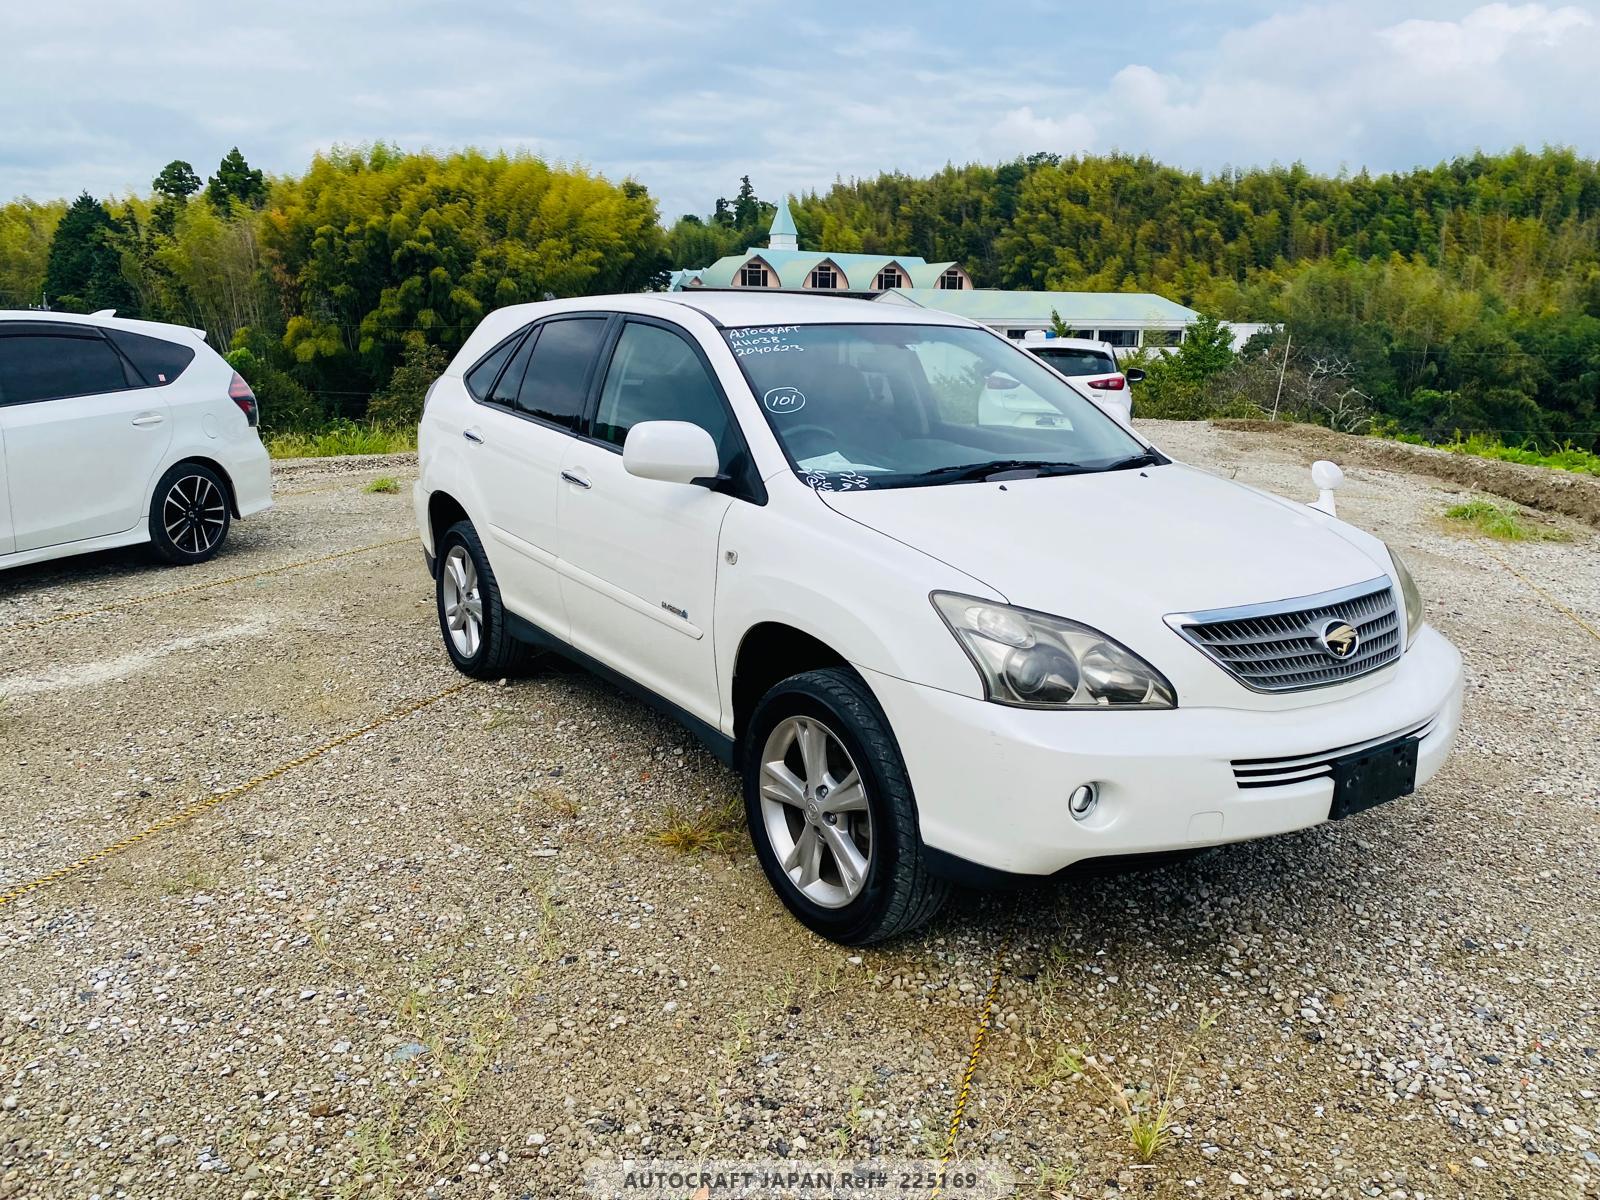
(992, 782)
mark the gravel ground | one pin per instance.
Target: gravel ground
(449, 958)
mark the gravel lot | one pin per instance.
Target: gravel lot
(448, 958)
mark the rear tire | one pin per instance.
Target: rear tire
(831, 811)
(472, 617)
(189, 517)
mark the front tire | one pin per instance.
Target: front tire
(472, 617)
(831, 811)
(189, 515)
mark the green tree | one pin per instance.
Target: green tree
(235, 180)
(399, 402)
(83, 272)
(177, 180)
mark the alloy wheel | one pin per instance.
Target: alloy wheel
(463, 606)
(814, 807)
(194, 513)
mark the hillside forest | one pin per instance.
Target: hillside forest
(1454, 299)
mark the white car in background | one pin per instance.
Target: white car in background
(115, 432)
(937, 647)
(1087, 364)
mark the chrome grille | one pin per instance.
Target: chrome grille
(1277, 647)
(1302, 768)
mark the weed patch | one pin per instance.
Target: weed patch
(1503, 522)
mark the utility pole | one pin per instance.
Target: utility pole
(1282, 367)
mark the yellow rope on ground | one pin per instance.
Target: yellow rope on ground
(1548, 598)
(979, 1037)
(198, 587)
(209, 802)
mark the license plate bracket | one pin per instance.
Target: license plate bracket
(1374, 776)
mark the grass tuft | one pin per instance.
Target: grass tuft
(383, 485)
(1504, 522)
(343, 437)
(715, 830)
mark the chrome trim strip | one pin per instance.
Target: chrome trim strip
(1293, 604)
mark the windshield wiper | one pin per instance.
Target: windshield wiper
(1145, 458)
(982, 470)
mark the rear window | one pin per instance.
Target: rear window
(1071, 361)
(37, 367)
(158, 360)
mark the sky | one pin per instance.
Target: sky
(687, 97)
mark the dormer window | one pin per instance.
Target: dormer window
(953, 280)
(753, 274)
(824, 277)
(890, 277)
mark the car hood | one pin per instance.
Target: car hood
(1120, 550)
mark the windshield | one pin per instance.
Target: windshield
(873, 406)
(1070, 361)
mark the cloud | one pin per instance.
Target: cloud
(688, 99)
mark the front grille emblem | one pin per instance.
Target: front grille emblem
(1339, 639)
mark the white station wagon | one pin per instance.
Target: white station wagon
(116, 432)
(937, 647)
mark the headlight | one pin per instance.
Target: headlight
(1033, 660)
(1410, 597)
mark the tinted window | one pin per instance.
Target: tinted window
(656, 376)
(481, 378)
(45, 368)
(553, 389)
(1077, 362)
(158, 360)
(505, 391)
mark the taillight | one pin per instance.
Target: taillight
(1113, 384)
(239, 392)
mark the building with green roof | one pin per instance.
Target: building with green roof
(1123, 319)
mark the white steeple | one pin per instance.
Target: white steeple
(783, 235)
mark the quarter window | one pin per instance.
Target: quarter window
(35, 367)
(656, 376)
(158, 360)
(556, 381)
(510, 381)
(481, 378)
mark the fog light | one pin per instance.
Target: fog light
(1083, 800)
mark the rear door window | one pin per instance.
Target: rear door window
(557, 379)
(36, 367)
(158, 360)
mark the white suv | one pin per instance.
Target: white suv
(115, 432)
(935, 646)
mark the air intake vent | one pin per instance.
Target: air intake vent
(1307, 642)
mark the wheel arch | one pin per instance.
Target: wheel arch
(444, 510)
(770, 652)
(211, 463)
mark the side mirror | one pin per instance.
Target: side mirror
(999, 381)
(671, 451)
(1134, 374)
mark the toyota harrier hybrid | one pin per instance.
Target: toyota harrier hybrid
(936, 648)
(116, 432)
